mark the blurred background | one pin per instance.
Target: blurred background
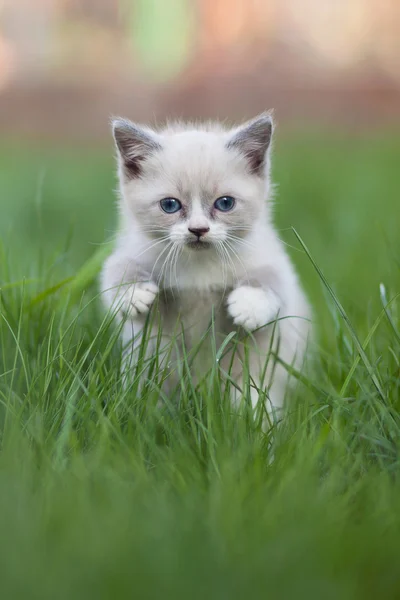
(66, 65)
(330, 68)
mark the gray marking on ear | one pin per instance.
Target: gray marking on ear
(134, 145)
(253, 140)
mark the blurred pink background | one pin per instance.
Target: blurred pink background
(67, 65)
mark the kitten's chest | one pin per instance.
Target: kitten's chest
(195, 310)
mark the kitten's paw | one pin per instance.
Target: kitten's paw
(252, 307)
(138, 298)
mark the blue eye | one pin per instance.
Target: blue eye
(224, 203)
(170, 205)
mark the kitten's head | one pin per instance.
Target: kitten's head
(195, 186)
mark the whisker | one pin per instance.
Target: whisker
(237, 257)
(177, 255)
(240, 228)
(237, 240)
(158, 258)
(230, 261)
(171, 264)
(165, 263)
(151, 246)
(224, 268)
(290, 245)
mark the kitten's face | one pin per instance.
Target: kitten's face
(196, 188)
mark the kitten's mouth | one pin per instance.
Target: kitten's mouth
(198, 245)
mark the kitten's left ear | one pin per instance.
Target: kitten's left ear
(253, 140)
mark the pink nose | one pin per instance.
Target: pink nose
(199, 231)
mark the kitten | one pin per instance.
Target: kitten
(197, 236)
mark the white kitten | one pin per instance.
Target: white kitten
(197, 236)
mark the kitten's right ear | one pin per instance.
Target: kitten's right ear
(134, 145)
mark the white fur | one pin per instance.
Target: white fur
(244, 276)
(252, 307)
(138, 298)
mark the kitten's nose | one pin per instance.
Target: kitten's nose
(199, 231)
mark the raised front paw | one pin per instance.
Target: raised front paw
(252, 307)
(138, 298)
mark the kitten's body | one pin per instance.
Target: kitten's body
(202, 260)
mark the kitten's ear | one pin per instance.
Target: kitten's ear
(253, 140)
(134, 145)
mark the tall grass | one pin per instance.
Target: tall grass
(105, 494)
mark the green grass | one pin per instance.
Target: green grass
(104, 495)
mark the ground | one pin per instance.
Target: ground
(104, 495)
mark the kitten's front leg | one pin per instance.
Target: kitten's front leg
(252, 307)
(128, 290)
(127, 287)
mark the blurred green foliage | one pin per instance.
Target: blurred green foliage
(104, 495)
